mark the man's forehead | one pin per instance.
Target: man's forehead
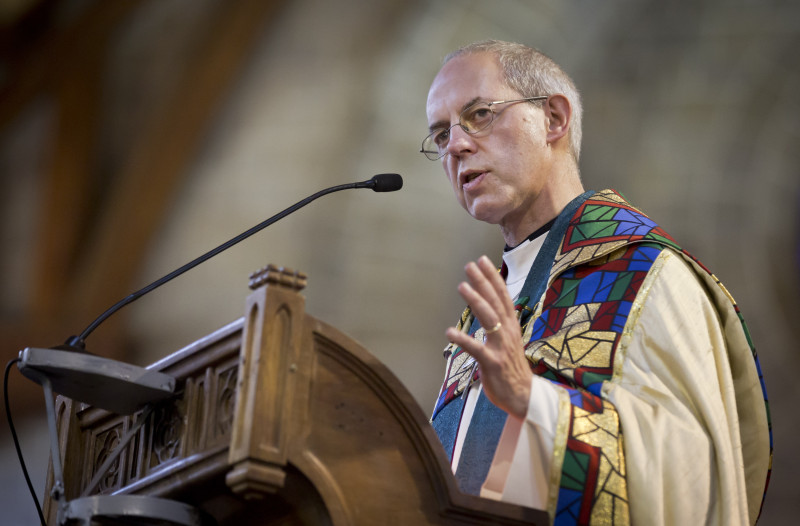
(461, 81)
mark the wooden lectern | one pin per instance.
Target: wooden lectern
(279, 419)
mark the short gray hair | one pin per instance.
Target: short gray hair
(531, 73)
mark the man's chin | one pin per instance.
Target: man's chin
(485, 214)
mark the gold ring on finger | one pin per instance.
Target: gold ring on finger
(494, 329)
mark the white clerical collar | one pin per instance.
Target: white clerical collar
(519, 261)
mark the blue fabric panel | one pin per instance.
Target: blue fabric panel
(445, 423)
(479, 445)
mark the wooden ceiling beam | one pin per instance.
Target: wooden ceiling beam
(32, 71)
(68, 178)
(65, 65)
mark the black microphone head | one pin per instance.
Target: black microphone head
(386, 182)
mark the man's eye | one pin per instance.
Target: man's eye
(479, 117)
(441, 137)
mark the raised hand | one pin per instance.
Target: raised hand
(505, 371)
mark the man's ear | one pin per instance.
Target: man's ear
(559, 117)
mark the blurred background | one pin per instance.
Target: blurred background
(137, 135)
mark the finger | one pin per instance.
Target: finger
(488, 281)
(507, 386)
(483, 286)
(487, 315)
(469, 344)
(507, 328)
(491, 273)
(498, 284)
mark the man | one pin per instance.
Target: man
(634, 395)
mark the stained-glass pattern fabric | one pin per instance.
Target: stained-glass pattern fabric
(607, 254)
(573, 343)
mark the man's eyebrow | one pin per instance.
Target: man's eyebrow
(444, 124)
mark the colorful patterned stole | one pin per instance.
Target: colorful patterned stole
(604, 249)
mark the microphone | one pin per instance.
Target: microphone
(383, 183)
(378, 183)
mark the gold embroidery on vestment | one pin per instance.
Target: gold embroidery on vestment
(602, 430)
(575, 345)
(559, 447)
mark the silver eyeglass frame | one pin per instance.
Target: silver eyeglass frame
(429, 153)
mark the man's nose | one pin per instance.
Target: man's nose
(460, 141)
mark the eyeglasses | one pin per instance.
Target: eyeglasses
(476, 117)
